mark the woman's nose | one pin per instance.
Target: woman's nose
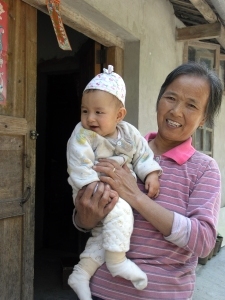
(177, 109)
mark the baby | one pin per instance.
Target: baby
(102, 133)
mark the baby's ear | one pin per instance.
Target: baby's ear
(121, 114)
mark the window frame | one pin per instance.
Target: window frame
(222, 58)
(205, 128)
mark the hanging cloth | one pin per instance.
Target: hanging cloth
(54, 12)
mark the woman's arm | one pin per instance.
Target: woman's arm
(92, 206)
(122, 181)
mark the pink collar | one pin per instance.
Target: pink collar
(180, 153)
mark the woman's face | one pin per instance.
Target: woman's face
(181, 109)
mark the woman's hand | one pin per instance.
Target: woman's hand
(119, 178)
(93, 205)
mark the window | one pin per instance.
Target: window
(208, 54)
(204, 53)
(222, 70)
(203, 139)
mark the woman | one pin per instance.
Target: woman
(176, 228)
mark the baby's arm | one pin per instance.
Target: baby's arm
(80, 158)
(143, 159)
(152, 184)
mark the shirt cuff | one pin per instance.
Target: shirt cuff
(181, 230)
(74, 223)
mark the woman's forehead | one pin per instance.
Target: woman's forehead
(193, 84)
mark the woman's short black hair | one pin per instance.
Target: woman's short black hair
(201, 71)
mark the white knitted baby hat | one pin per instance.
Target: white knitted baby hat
(110, 82)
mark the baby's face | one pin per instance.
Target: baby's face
(99, 113)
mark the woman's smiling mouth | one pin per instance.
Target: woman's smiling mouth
(172, 123)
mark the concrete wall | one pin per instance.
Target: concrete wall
(147, 28)
(219, 146)
(151, 52)
(152, 25)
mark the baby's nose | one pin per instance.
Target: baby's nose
(91, 117)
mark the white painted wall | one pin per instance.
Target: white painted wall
(153, 24)
(219, 146)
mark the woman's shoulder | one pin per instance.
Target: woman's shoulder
(200, 155)
(203, 159)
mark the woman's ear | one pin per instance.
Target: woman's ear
(121, 114)
(202, 122)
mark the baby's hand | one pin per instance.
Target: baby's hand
(152, 184)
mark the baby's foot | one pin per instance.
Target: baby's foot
(130, 271)
(79, 282)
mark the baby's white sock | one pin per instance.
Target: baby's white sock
(79, 282)
(80, 278)
(128, 270)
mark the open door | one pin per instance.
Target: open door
(17, 155)
(18, 149)
(61, 81)
(60, 84)
(59, 93)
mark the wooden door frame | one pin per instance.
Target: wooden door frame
(30, 151)
(115, 45)
(114, 56)
(17, 119)
(79, 22)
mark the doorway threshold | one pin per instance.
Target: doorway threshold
(48, 277)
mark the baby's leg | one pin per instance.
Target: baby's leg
(117, 230)
(91, 259)
(80, 278)
(119, 265)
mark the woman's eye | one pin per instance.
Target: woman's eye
(171, 98)
(192, 105)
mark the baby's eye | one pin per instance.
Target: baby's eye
(84, 111)
(99, 112)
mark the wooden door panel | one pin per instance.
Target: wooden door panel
(30, 149)
(10, 208)
(11, 167)
(15, 59)
(13, 125)
(17, 155)
(10, 257)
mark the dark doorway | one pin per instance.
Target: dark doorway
(61, 78)
(62, 114)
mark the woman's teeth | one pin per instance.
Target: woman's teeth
(172, 123)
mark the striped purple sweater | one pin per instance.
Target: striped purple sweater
(189, 185)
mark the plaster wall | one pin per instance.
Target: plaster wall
(150, 25)
(219, 146)
(147, 28)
